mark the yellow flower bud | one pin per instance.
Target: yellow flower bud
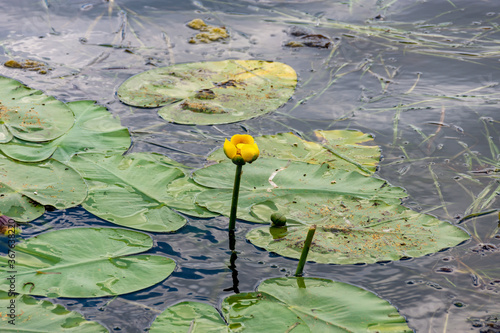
(241, 149)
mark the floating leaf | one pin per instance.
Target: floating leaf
(182, 192)
(31, 115)
(181, 317)
(26, 187)
(34, 315)
(288, 305)
(345, 146)
(269, 178)
(97, 263)
(212, 92)
(18, 206)
(95, 130)
(351, 230)
(341, 149)
(5, 135)
(130, 190)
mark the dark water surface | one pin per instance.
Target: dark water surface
(421, 76)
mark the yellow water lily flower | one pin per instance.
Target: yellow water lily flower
(241, 149)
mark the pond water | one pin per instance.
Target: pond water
(420, 76)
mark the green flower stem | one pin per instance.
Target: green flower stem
(305, 250)
(236, 192)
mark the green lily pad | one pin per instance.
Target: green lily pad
(189, 317)
(95, 130)
(30, 115)
(181, 193)
(345, 146)
(207, 93)
(269, 178)
(130, 190)
(97, 263)
(34, 315)
(18, 206)
(341, 149)
(5, 135)
(288, 305)
(351, 230)
(26, 187)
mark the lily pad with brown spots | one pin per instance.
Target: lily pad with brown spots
(351, 230)
(30, 115)
(207, 93)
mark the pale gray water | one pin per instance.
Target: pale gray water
(376, 82)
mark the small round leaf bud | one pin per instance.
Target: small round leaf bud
(278, 220)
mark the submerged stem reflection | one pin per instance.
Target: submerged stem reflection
(232, 263)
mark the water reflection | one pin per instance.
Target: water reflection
(232, 263)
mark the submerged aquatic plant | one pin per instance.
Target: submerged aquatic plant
(241, 149)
